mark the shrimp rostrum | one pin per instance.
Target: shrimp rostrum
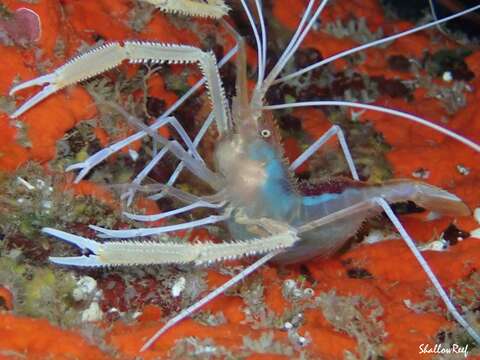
(255, 193)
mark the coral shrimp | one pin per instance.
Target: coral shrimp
(255, 193)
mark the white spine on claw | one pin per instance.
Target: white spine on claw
(211, 9)
(118, 253)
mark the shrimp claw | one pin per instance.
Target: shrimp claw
(86, 245)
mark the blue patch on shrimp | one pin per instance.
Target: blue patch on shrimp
(315, 200)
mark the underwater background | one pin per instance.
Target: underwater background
(369, 302)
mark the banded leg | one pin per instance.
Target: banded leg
(373, 205)
(113, 54)
(335, 130)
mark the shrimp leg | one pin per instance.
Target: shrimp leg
(373, 205)
(212, 295)
(112, 54)
(334, 130)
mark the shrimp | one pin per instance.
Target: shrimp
(255, 192)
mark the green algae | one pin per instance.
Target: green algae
(32, 198)
(39, 292)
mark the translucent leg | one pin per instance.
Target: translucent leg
(181, 165)
(131, 233)
(191, 309)
(146, 170)
(212, 201)
(172, 121)
(130, 193)
(372, 205)
(196, 166)
(155, 217)
(423, 263)
(99, 156)
(334, 130)
(185, 197)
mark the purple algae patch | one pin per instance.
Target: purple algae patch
(22, 28)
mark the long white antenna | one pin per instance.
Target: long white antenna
(293, 40)
(264, 39)
(382, 109)
(374, 43)
(257, 39)
(281, 64)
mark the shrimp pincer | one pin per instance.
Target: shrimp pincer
(267, 213)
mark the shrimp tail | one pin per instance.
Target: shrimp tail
(424, 195)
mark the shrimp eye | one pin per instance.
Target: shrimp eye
(265, 133)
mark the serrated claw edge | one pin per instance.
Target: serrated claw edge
(211, 9)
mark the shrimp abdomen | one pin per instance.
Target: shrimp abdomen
(327, 239)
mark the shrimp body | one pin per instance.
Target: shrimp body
(260, 184)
